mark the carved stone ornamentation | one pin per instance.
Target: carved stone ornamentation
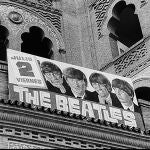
(50, 127)
(44, 8)
(18, 145)
(15, 17)
(137, 68)
(133, 56)
(100, 7)
(39, 4)
(143, 2)
(19, 20)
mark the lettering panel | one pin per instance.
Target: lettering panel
(24, 70)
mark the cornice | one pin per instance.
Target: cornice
(56, 123)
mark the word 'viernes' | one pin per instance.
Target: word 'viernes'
(73, 105)
(28, 80)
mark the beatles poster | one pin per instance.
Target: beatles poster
(57, 85)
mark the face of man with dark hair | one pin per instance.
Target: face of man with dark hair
(54, 78)
(123, 97)
(77, 86)
(100, 89)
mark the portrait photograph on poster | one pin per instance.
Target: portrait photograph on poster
(72, 88)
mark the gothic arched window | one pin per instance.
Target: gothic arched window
(124, 27)
(35, 43)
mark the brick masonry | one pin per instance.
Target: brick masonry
(85, 43)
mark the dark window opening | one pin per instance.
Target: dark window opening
(4, 42)
(124, 25)
(35, 43)
(143, 93)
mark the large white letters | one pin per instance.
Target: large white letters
(20, 90)
(61, 103)
(32, 97)
(87, 108)
(129, 118)
(74, 105)
(115, 113)
(45, 99)
(99, 110)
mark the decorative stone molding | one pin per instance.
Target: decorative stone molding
(15, 17)
(143, 3)
(48, 124)
(133, 71)
(133, 56)
(45, 5)
(128, 59)
(100, 7)
(54, 18)
(47, 140)
(18, 145)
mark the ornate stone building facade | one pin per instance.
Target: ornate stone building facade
(100, 30)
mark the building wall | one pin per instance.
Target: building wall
(84, 37)
(71, 32)
(84, 33)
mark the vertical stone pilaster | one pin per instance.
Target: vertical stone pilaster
(87, 37)
(3, 142)
(71, 33)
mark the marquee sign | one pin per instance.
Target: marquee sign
(74, 89)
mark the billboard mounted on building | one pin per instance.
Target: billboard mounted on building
(78, 90)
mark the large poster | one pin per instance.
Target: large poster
(73, 89)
